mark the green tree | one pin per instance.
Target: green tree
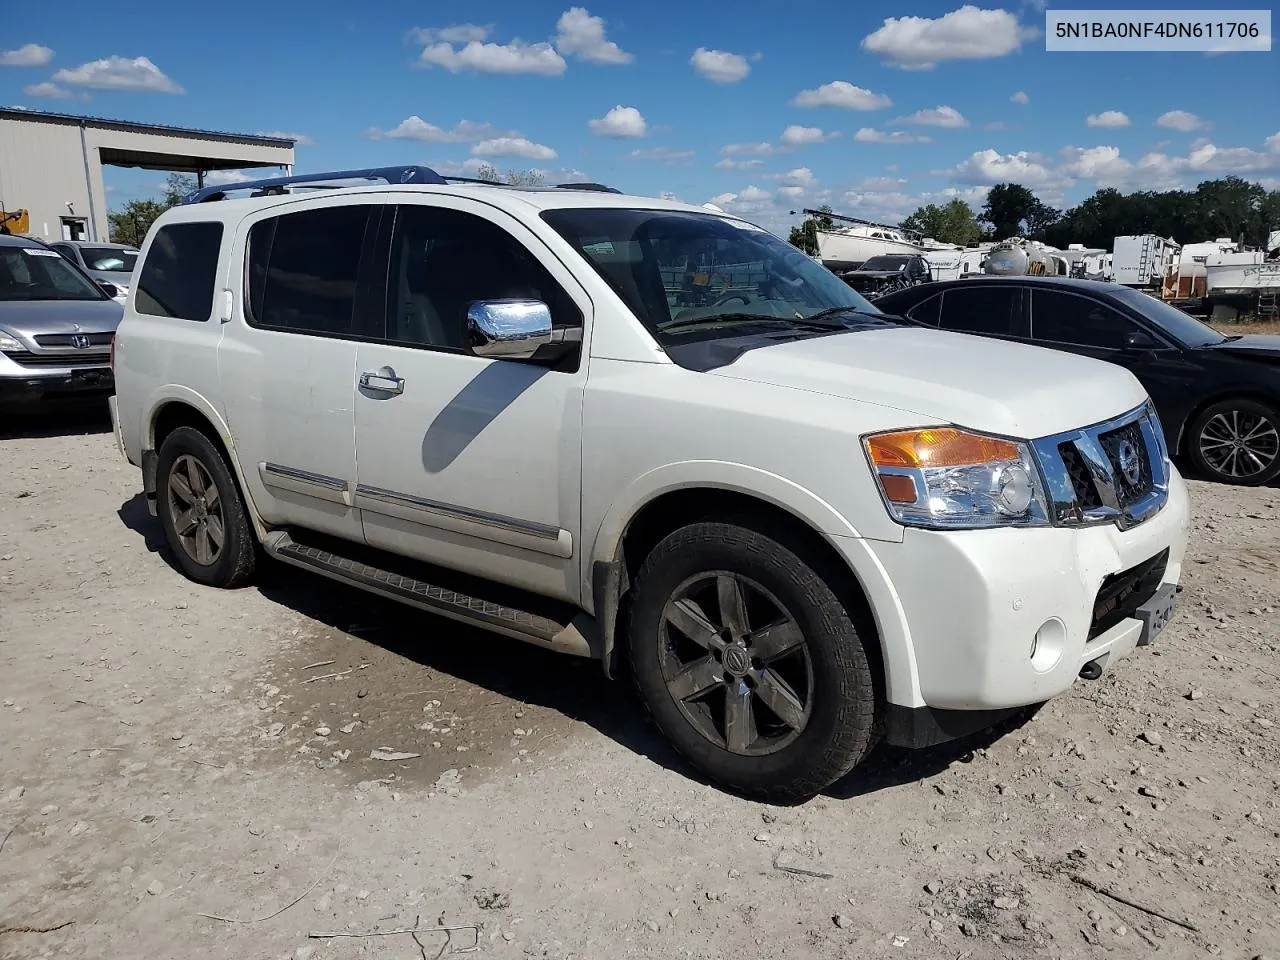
(1013, 210)
(953, 222)
(515, 178)
(131, 222)
(805, 236)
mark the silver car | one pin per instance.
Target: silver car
(56, 327)
(112, 263)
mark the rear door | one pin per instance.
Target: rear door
(287, 366)
(986, 309)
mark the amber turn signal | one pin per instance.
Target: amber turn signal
(937, 447)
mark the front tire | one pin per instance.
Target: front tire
(203, 516)
(750, 664)
(1236, 441)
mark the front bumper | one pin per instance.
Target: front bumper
(24, 389)
(990, 620)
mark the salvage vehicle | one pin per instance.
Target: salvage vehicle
(804, 525)
(1218, 396)
(56, 327)
(887, 273)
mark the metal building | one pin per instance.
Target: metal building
(51, 165)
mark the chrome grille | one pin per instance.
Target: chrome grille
(1113, 472)
(70, 339)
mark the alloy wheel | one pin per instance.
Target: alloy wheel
(1239, 444)
(736, 663)
(195, 507)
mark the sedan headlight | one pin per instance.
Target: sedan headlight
(9, 343)
(948, 478)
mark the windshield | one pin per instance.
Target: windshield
(109, 259)
(1178, 324)
(885, 263)
(698, 276)
(34, 273)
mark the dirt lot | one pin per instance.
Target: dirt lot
(169, 752)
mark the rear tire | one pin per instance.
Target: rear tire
(1236, 441)
(750, 664)
(203, 516)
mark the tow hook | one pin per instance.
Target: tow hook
(1091, 670)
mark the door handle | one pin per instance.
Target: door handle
(384, 380)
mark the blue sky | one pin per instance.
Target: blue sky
(761, 107)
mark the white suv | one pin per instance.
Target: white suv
(652, 434)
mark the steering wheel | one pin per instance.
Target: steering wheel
(730, 297)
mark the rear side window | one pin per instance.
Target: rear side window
(927, 312)
(180, 271)
(979, 309)
(303, 269)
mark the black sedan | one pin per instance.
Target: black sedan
(1218, 396)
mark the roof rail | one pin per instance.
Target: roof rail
(277, 185)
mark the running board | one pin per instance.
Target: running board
(564, 635)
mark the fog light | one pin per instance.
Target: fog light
(1014, 490)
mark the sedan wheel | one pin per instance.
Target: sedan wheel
(1237, 442)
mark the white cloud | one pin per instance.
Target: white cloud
(452, 168)
(581, 35)
(969, 33)
(299, 139)
(119, 73)
(513, 147)
(49, 91)
(465, 131)
(872, 135)
(753, 195)
(1108, 119)
(668, 195)
(750, 149)
(796, 177)
(1020, 97)
(986, 167)
(879, 183)
(515, 57)
(661, 153)
(1102, 163)
(841, 93)
(1272, 143)
(720, 66)
(796, 136)
(28, 55)
(1182, 121)
(460, 33)
(942, 116)
(791, 192)
(729, 164)
(620, 123)
(219, 178)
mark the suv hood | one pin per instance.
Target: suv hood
(1000, 387)
(32, 317)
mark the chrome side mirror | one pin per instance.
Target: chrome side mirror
(510, 329)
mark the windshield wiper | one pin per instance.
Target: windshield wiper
(797, 323)
(855, 311)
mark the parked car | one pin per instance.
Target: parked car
(56, 327)
(1218, 396)
(109, 262)
(804, 524)
(888, 272)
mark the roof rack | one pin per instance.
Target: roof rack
(277, 185)
(595, 187)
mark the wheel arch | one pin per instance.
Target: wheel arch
(1244, 392)
(618, 556)
(180, 407)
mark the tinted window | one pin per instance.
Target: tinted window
(442, 261)
(109, 259)
(1059, 317)
(980, 309)
(927, 312)
(178, 276)
(1177, 323)
(303, 268)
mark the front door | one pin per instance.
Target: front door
(288, 367)
(470, 463)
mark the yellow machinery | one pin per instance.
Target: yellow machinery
(15, 222)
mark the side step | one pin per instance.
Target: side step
(570, 634)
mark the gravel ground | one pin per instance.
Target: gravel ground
(169, 752)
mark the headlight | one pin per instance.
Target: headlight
(9, 343)
(948, 478)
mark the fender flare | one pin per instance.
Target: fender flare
(606, 573)
(174, 393)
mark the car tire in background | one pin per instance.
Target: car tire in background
(203, 516)
(749, 663)
(1236, 441)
